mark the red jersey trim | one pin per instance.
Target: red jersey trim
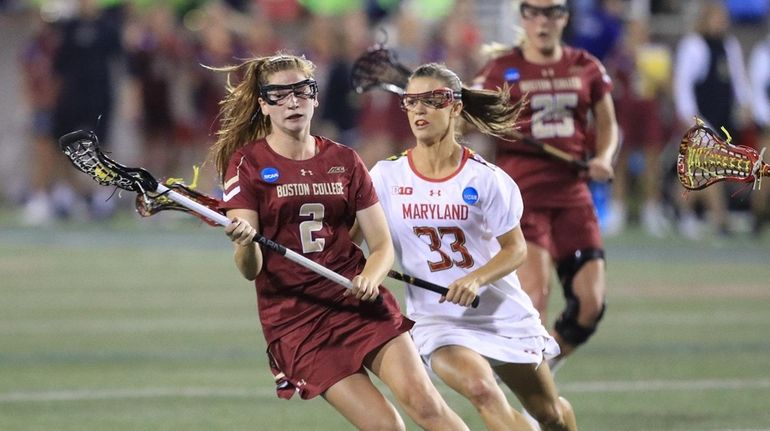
(466, 155)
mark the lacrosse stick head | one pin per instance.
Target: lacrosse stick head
(149, 204)
(82, 149)
(379, 68)
(705, 158)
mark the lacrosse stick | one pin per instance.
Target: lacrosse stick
(379, 68)
(152, 204)
(82, 148)
(705, 158)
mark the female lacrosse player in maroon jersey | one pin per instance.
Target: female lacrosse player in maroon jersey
(563, 86)
(305, 192)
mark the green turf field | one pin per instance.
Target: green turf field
(145, 325)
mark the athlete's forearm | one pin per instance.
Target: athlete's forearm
(247, 256)
(248, 260)
(379, 262)
(513, 251)
(374, 228)
(606, 130)
(503, 263)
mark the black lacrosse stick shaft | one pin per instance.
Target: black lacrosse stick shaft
(425, 285)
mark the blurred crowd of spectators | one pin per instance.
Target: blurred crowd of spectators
(80, 55)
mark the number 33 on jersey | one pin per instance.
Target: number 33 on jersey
(455, 221)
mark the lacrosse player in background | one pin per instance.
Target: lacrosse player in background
(39, 87)
(759, 77)
(305, 191)
(563, 86)
(710, 82)
(89, 45)
(454, 219)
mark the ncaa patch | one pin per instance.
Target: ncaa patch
(511, 74)
(470, 195)
(270, 175)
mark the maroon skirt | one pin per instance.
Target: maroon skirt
(312, 359)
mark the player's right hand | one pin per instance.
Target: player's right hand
(600, 170)
(240, 231)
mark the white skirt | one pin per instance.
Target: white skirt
(497, 348)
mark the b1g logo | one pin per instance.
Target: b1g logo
(270, 175)
(402, 190)
(470, 195)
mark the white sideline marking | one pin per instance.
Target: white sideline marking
(664, 385)
(119, 325)
(102, 325)
(109, 394)
(264, 392)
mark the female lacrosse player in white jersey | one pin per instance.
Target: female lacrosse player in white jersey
(454, 219)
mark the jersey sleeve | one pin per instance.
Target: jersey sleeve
(377, 181)
(485, 78)
(362, 191)
(503, 212)
(239, 192)
(601, 83)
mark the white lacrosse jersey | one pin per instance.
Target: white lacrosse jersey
(442, 230)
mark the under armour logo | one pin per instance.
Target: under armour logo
(435, 192)
(304, 172)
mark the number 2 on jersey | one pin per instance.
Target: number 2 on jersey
(458, 246)
(306, 228)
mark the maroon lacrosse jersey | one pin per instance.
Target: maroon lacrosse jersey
(559, 98)
(307, 206)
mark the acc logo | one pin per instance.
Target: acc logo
(402, 190)
(511, 74)
(270, 175)
(470, 195)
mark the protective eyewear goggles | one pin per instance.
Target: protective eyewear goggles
(529, 11)
(279, 94)
(436, 99)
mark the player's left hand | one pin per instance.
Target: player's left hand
(462, 291)
(363, 288)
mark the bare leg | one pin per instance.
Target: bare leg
(356, 398)
(716, 199)
(652, 216)
(534, 275)
(537, 392)
(470, 374)
(39, 209)
(398, 364)
(589, 287)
